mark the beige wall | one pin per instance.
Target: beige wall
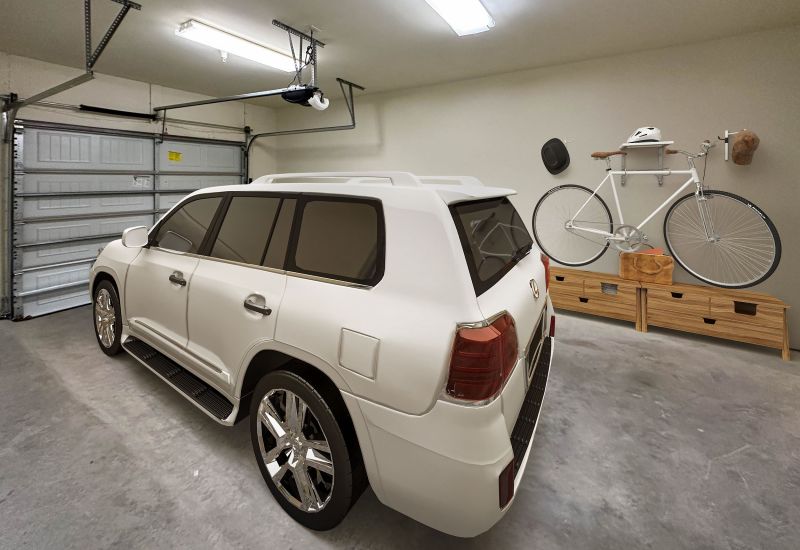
(26, 77)
(494, 128)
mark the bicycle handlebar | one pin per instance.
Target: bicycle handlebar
(705, 146)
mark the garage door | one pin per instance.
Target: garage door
(78, 188)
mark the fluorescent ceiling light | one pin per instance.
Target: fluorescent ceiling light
(464, 16)
(232, 44)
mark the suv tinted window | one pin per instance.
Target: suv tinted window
(246, 228)
(186, 228)
(279, 242)
(341, 239)
(493, 237)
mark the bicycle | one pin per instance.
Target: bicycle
(718, 237)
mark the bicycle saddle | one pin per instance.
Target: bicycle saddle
(606, 154)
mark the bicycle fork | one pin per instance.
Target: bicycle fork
(705, 213)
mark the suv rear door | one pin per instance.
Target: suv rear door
(506, 273)
(237, 289)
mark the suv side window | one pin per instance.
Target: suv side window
(186, 228)
(340, 239)
(246, 229)
(279, 241)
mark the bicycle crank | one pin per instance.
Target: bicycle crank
(628, 238)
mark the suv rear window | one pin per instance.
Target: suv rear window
(340, 239)
(493, 237)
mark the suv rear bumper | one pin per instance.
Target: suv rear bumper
(442, 468)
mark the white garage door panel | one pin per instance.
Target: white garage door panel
(38, 256)
(55, 276)
(86, 205)
(178, 156)
(83, 183)
(49, 302)
(39, 232)
(59, 150)
(195, 182)
(76, 189)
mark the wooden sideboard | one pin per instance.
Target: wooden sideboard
(740, 315)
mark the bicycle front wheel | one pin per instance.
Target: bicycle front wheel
(737, 246)
(572, 246)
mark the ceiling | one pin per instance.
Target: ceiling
(381, 44)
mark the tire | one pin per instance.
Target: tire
(333, 494)
(707, 264)
(107, 318)
(549, 248)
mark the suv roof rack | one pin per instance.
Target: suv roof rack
(401, 179)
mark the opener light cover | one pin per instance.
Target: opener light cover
(232, 44)
(464, 16)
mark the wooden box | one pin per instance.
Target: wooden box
(595, 293)
(739, 315)
(650, 268)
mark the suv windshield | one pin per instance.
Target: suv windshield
(493, 237)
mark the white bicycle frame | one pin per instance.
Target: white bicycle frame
(693, 178)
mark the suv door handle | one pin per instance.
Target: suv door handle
(252, 306)
(177, 278)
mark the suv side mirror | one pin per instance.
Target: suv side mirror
(135, 237)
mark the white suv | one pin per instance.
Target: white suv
(377, 328)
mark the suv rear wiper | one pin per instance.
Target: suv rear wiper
(521, 253)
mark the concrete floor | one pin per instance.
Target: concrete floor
(655, 440)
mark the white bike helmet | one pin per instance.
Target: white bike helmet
(644, 134)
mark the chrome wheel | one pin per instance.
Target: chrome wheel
(104, 318)
(295, 450)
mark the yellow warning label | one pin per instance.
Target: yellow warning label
(174, 156)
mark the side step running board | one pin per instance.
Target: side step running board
(206, 397)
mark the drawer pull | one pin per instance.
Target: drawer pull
(709, 321)
(583, 300)
(677, 295)
(745, 308)
(608, 288)
(559, 278)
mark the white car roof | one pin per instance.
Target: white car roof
(451, 189)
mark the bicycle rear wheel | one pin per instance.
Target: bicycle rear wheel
(744, 248)
(571, 247)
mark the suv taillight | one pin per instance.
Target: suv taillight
(546, 263)
(482, 360)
